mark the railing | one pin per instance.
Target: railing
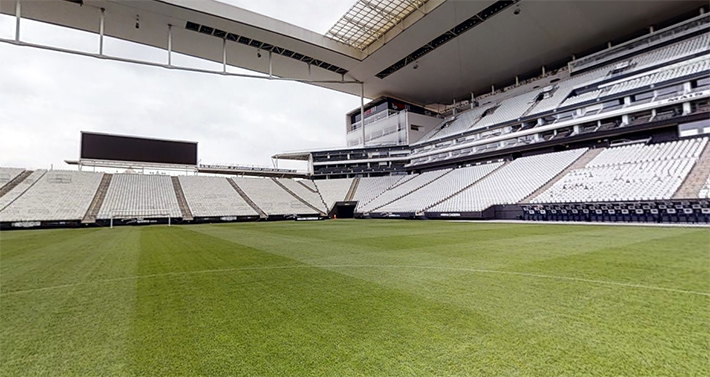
(690, 26)
(247, 167)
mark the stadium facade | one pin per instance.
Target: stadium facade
(575, 111)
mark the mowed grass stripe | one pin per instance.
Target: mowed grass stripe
(81, 330)
(308, 299)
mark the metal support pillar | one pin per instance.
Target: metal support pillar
(101, 31)
(170, 44)
(472, 100)
(224, 55)
(454, 113)
(270, 66)
(362, 111)
(18, 16)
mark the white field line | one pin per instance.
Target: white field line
(337, 266)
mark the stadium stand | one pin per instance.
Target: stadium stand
(304, 191)
(633, 172)
(56, 195)
(369, 188)
(272, 198)
(19, 189)
(8, 174)
(447, 186)
(511, 183)
(333, 190)
(139, 194)
(399, 191)
(214, 197)
(98, 201)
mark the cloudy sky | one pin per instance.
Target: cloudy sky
(47, 98)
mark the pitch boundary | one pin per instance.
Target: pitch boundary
(337, 266)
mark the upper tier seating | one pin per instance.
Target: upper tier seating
(660, 75)
(446, 186)
(369, 188)
(57, 195)
(271, 198)
(20, 189)
(511, 183)
(298, 188)
(8, 174)
(333, 190)
(400, 190)
(213, 196)
(633, 172)
(463, 122)
(674, 51)
(140, 195)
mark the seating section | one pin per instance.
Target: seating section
(674, 51)
(463, 122)
(139, 194)
(309, 195)
(369, 188)
(401, 190)
(57, 195)
(333, 190)
(271, 198)
(8, 174)
(658, 76)
(633, 172)
(705, 190)
(509, 109)
(20, 189)
(511, 183)
(445, 187)
(213, 196)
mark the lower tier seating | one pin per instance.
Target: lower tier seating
(140, 195)
(635, 172)
(511, 183)
(213, 197)
(271, 198)
(57, 195)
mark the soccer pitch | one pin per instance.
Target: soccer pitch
(356, 297)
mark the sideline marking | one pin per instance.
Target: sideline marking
(474, 270)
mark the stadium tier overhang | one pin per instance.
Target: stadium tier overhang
(444, 50)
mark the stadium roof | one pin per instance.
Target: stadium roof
(445, 50)
(368, 20)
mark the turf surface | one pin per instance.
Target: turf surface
(356, 298)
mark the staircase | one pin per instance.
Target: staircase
(14, 182)
(262, 214)
(690, 188)
(579, 163)
(415, 190)
(465, 188)
(353, 189)
(307, 187)
(309, 205)
(98, 201)
(325, 205)
(182, 201)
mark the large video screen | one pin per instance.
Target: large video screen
(137, 149)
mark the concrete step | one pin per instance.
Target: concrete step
(690, 188)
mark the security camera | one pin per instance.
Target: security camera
(516, 11)
(416, 65)
(258, 54)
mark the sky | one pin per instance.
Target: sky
(47, 98)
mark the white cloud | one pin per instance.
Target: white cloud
(47, 98)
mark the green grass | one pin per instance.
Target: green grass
(340, 298)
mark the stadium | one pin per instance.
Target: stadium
(524, 189)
